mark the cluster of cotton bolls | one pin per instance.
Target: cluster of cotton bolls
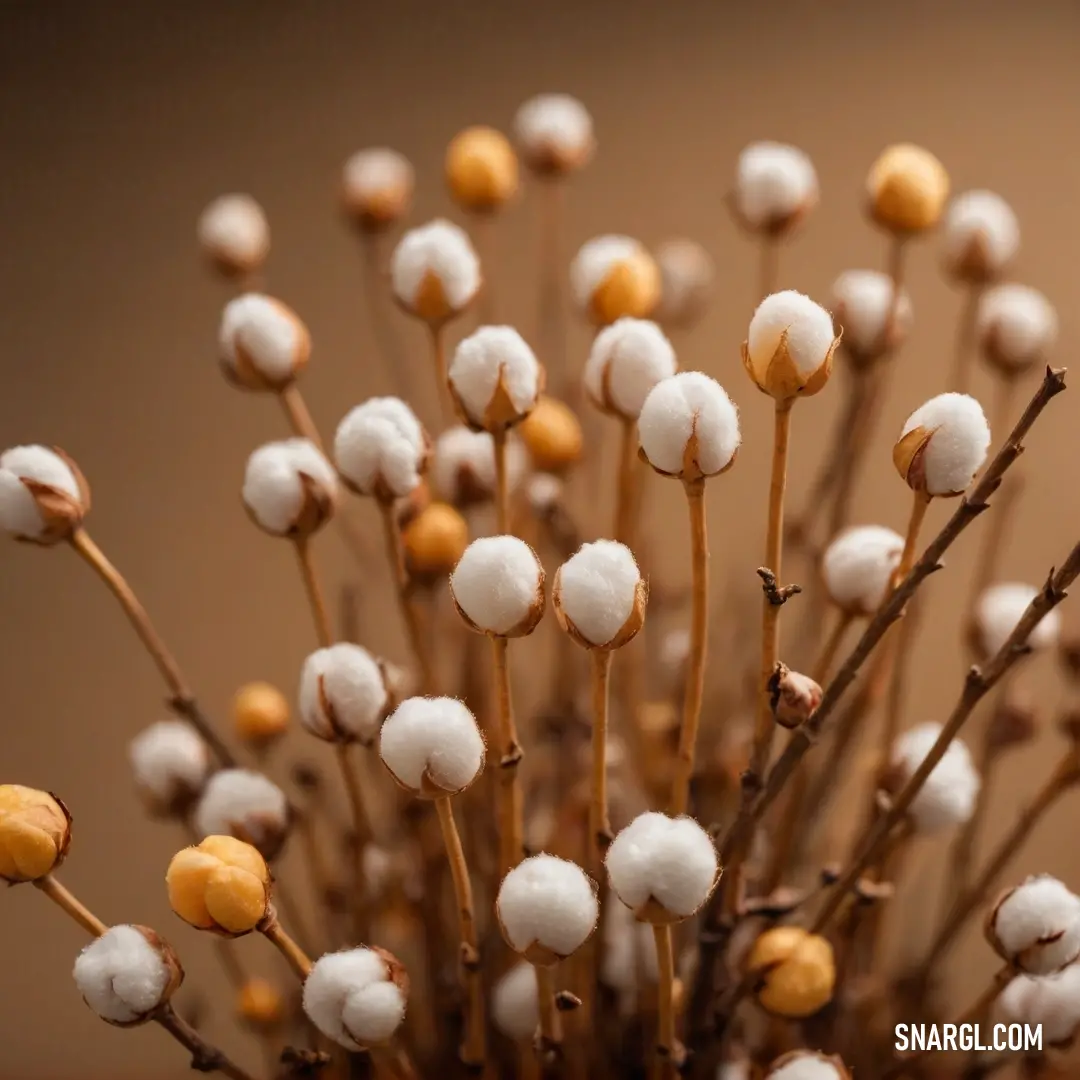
(547, 876)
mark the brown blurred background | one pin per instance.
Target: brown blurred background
(121, 120)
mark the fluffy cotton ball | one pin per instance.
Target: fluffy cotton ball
(597, 591)
(545, 492)
(943, 445)
(515, 1003)
(355, 998)
(343, 693)
(289, 486)
(612, 276)
(670, 861)
(1016, 326)
(263, 343)
(244, 804)
(494, 358)
(124, 976)
(499, 585)
(774, 184)
(948, 796)
(857, 567)
(170, 761)
(626, 361)
(1052, 1001)
(234, 232)
(377, 185)
(381, 448)
(687, 272)
(863, 304)
(554, 132)
(463, 465)
(1037, 926)
(981, 235)
(804, 329)
(438, 253)
(547, 907)
(807, 1065)
(688, 406)
(629, 951)
(24, 471)
(999, 609)
(432, 743)
(594, 262)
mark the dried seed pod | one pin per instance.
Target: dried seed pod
(260, 714)
(599, 596)
(1016, 328)
(495, 379)
(980, 237)
(463, 465)
(435, 272)
(798, 971)
(377, 188)
(43, 495)
(343, 694)
(381, 449)
(263, 343)
(35, 832)
(127, 975)
(222, 885)
(290, 489)
(943, 445)
(794, 697)
(434, 541)
(775, 188)
(1036, 926)
(664, 869)
(552, 435)
(260, 1006)
(907, 189)
(547, 908)
(790, 346)
(615, 276)
(234, 234)
(554, 134)
(864, 309)
(481, 169)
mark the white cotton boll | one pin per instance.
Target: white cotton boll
(598, 592)
(432, 746)
(689, 406)
(554, 132)
(498, 585)
(687, 274)
(659, 861)
(774, 184)
(1037, 926)
(170, 760)
(515, 1003)
(495, 377)
(289, 486)
(544, 492)
(442, 252)
(805, 329)
(629, 951)
(998, 610)
(262, 342)
(980, 234)
(1016, 326)
(233, 231)
(675, 650)
(381, 448)
(1052, 1001)
(244, 804)
(948, 796)
(806, 1065)
(375, 174)
(943, 445)
(627, 360)
(123, 976)
(20, 513)
(343, 694)
(355, 998)
(863, 306)
(594, 262)
(547, 908)
(463, 465)
(858, 565)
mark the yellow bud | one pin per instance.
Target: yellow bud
(798, 971)
(222, 884)
(260, 1004)
(907, 188)
(434, 540)
(35, 831)
(481, 169)
(631, 288)
(552, 435)
(260, 713)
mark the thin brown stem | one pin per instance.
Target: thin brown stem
(552, 328)
(502, 487)
(717, 925)
(549, 1045)
(299, 415)
(362, 833)
(827, 657)
(393, 1061)
(473, 1047)
(510, 795)
(668, 1052)
(296, 958)
(313, 589)
(600, 835)
(410, 614)
(387, 343)
(442, 381)
(69, 903)
(768, 265)
(181, 699)
(976, 686)
(699, 645)
(964, 354)
(626, 493)
(962, 852)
